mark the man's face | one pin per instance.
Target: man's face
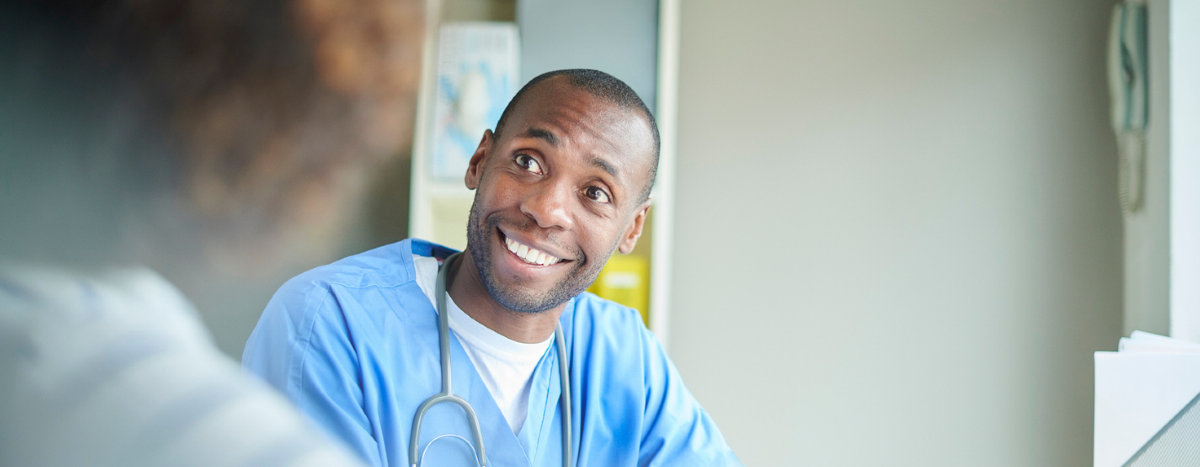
(557, 193)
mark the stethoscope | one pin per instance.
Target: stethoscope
(447, 394)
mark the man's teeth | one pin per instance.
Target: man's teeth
(530, 255)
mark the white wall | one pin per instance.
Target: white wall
(898, 238)
(1185, 169)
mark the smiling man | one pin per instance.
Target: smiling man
(562, 184)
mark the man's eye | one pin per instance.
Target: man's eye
(527, 162)
(596, 194)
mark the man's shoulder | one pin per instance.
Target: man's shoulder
(606, 315)
(350, 295)
(384, 266)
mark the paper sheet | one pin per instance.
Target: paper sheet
(1139, 390)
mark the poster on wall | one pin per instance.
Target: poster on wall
(477, 73)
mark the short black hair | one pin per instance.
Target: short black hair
(604, 86)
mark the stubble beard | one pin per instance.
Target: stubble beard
(581, 275)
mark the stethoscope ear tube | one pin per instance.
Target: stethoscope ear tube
(447, 394)
(565, 377)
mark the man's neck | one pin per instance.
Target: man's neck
(467, 289)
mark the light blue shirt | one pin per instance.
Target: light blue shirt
(355, 345)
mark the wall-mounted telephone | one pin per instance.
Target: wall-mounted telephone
(1130, 91)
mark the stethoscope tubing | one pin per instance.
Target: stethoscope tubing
(447, 394)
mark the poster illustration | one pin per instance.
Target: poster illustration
(477, 74)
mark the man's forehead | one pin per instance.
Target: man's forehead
(556, 111)
(556, 98)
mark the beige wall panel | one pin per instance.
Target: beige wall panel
(898, 240)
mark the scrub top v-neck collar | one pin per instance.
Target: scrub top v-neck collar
(503, 447)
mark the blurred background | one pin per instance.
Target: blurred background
(885, 233)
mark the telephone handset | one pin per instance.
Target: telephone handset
(1130, 92)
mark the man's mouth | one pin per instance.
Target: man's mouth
(530, 255)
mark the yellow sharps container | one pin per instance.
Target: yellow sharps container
(626, 280)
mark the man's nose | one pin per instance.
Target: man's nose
(547, 205)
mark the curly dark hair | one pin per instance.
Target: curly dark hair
(267, 111)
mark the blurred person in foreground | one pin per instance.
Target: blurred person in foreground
(186, 137)
(560, 185)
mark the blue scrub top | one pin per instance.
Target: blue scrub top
(355, 345)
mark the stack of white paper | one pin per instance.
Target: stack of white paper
(1139, 390)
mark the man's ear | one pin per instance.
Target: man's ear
(630, 237)
(475, 167)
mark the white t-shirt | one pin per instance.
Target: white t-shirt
(505, 365)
